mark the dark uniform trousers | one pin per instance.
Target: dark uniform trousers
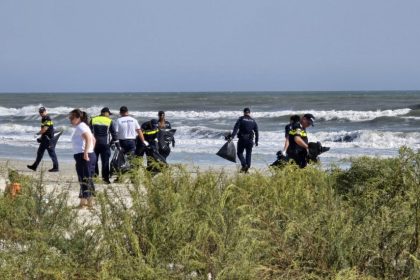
(103, 151)
(128, 146)
(45, 145)
(245, 145)
(300, 157)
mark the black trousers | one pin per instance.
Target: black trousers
(245, 145)
(300, 157)
(85, 170)
(103, 151)
(128, 146)
(45, 145)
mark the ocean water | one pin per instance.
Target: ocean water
(353, 124)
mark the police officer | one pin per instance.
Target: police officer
(47, 134)
(298, 149)
(104, 131)
(293, 120)
(150, 130)
(167, 138)
(245, 128)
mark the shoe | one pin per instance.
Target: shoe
(31, 167)
(107, 181)
(244, 169)
(83, 204)
(53, 170)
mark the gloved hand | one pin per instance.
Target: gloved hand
(146, 143)
(284, 153)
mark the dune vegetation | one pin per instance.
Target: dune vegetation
(359, 223)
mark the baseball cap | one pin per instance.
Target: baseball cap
(247, 110)
(123, 109)
(42, 109)
(310, 118)
(106, 110)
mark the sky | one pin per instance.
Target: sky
(213, 45)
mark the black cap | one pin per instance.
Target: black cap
(160, 113)
(123, 109)
(42, 109)
(310, 118)
(247, 110)
(154, 123)
(106, 110)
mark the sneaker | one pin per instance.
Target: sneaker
(107, 181)
(53, 170)
(31, 167)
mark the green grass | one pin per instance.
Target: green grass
(360, 223)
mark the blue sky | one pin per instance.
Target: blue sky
(193, 45)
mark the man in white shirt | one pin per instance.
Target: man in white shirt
(128, 129)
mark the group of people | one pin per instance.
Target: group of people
(93, 139)
(296, 146)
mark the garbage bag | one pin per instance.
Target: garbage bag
(315, 149)
(165, 138)
(54, 139)
(228, 151)
(119, 162)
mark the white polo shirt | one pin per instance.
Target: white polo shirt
(126, 128)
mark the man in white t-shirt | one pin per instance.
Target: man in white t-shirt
(128, 129)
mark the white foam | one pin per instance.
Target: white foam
(349, 115)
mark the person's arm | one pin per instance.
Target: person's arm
(89, 140)
(286, 144)
(113, 132)
(236, 128)
(141, 136)
(256, 133)
(42, 130)
(300, 142)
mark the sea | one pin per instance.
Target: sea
(352, 124)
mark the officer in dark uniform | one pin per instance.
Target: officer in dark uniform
(104, 131)
(298, 140)
(167, 139)
(293, 120)
(47, 134)
(150, 131)
(246, 128)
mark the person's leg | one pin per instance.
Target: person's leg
(39, 154)
(79, 170)
(97, 152)
(240, 152)
(53, 156)
(248, 151)
(105, 155)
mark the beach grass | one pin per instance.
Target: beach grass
(289, 223)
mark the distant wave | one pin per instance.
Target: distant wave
(327, 115)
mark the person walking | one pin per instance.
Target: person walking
(128, 129)
(246, 129)
(298, 149)
(83, 143)
(104, 132)
(45, 141)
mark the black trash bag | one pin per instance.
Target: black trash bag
(119, 162)
(54, 139)
(280, 161)
(155, 161)
(315, 149)
(228, 151)
(165, 139)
